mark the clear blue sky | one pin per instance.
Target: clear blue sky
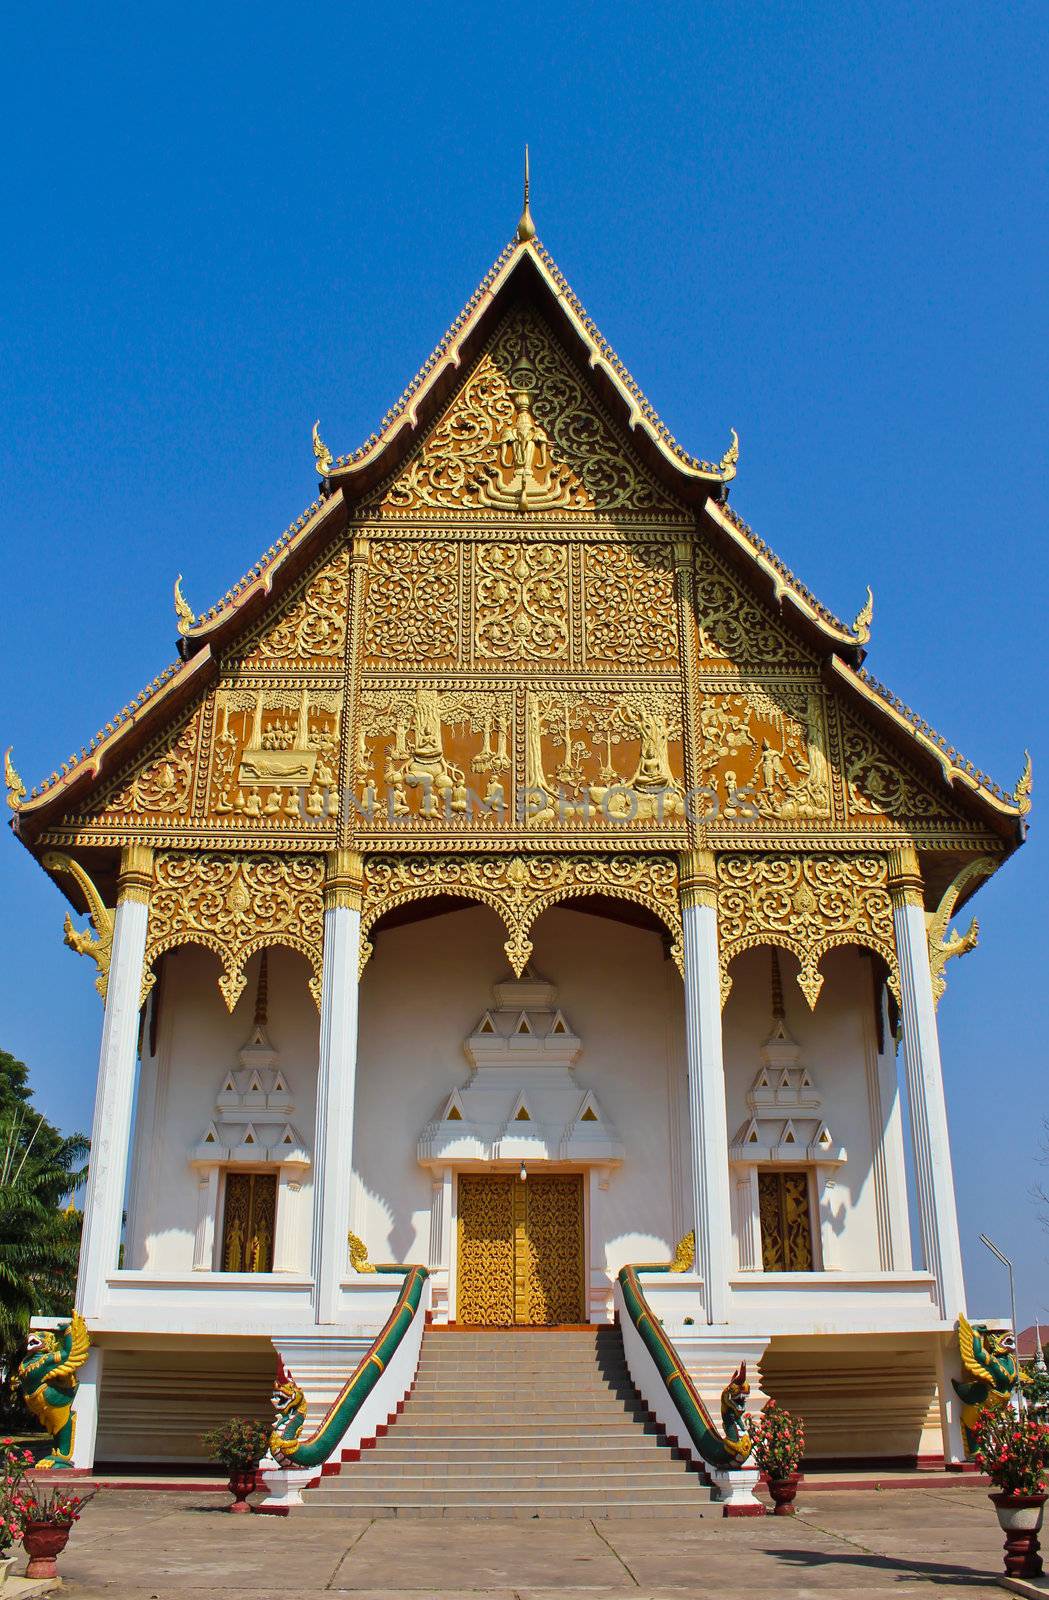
(824, 225)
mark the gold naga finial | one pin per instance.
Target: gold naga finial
(862, 625)
(15, 787)
(183, 609)
(526, 227)
(1021, 794)
(685, 1254)
(727, 464)
(358, 1254)
(321, 454)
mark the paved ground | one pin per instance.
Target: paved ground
(168, 1546)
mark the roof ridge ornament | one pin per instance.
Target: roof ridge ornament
(727, 464)
(1022, 792)
(321, 454)
(526, 227)
(183, 609)
(861, 627)
(15, 786)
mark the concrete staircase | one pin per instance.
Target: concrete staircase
(519, 1424)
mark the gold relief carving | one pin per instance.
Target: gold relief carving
(521, 602)
(276, 753)
(235, 905)
(135, 880)
(520, 1250)
(99, 946)
(732, 626)
(411, 601)
(763, 749)
(943, 947)
(312, 625)
(807, 904)
(485, 1291)
(786, 1222)
(877, 785)
(699, 878)
(524, 434)
(162, 786)
(421, 752)
(550, 1247)
(519, 888)
(615, 757)
(629, 612)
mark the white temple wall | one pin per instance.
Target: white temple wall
(857, 1086)
(197, 1043)
(423, 992)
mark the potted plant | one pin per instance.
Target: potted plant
(47, 1521)
(779, 1444)
(239, 1445)
(1014, 1453)
(13, 1464)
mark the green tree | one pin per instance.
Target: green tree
(40, 1169)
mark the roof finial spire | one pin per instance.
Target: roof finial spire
(526, 227)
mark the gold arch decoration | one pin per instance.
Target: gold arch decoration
(520, 888)
(807, 904)
(235, 905)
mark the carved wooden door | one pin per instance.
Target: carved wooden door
(249, 1222)
(786, 1222)
(520, 1250)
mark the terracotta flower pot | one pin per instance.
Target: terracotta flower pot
(1020, 1518)
(241, 1484)
(44, 1541)
(783, 1491)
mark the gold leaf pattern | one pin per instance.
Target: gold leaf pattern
(411, 601)
(629, 610)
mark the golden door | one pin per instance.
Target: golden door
(249, 1223)
(786, 1222)
(520, 1250)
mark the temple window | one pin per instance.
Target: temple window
(785, 1215)
(249, 1222)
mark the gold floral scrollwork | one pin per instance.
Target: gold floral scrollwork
(236, 905)
(519, 888)
(411, 601)
(943, 947)
(522, 602)
(807, 904)
(98, 946)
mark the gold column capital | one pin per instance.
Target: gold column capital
(135, 878)
(343, 879)
(905, 876)
(698, 876)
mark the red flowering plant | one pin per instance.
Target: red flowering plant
(1013, 1451)
(14, 1463)
(779, 1441)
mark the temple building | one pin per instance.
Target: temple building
(516, 873)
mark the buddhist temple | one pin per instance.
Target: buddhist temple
(517, 876)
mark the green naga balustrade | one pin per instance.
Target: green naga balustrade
(724, 1453)
(287, 1446)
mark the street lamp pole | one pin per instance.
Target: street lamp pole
(1004, 1259)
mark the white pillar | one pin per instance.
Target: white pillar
(207, 1210)
(287, 1234)
(711, 1205)
(85, 1409)
(115, 1092)
(934, 1181)
(336, 1081)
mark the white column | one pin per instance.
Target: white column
(85, 1409)
(287, 1234)
(711, 1205)
(207, 1209)
(115, 1092)
(336, 1081)
(934, 1181)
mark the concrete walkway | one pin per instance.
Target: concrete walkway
(142, 1546)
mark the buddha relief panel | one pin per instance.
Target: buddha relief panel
(762, 750)
(275, 753)
(434, 754)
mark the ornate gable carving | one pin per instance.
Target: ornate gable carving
(311, 624)
(523, 434)
(878, 786)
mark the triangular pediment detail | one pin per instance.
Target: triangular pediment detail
(525, 433)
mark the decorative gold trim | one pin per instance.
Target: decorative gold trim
(358, 1253)
(322, 456)
(183, 609)
(905, 877)
(685, 1254)
(807, 904)
(699, 878)
(101, 917)
(943, 948)
(729, 461)
(520, 888)
(343, 879)
(136, 873)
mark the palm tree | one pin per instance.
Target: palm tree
(39, 1241)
